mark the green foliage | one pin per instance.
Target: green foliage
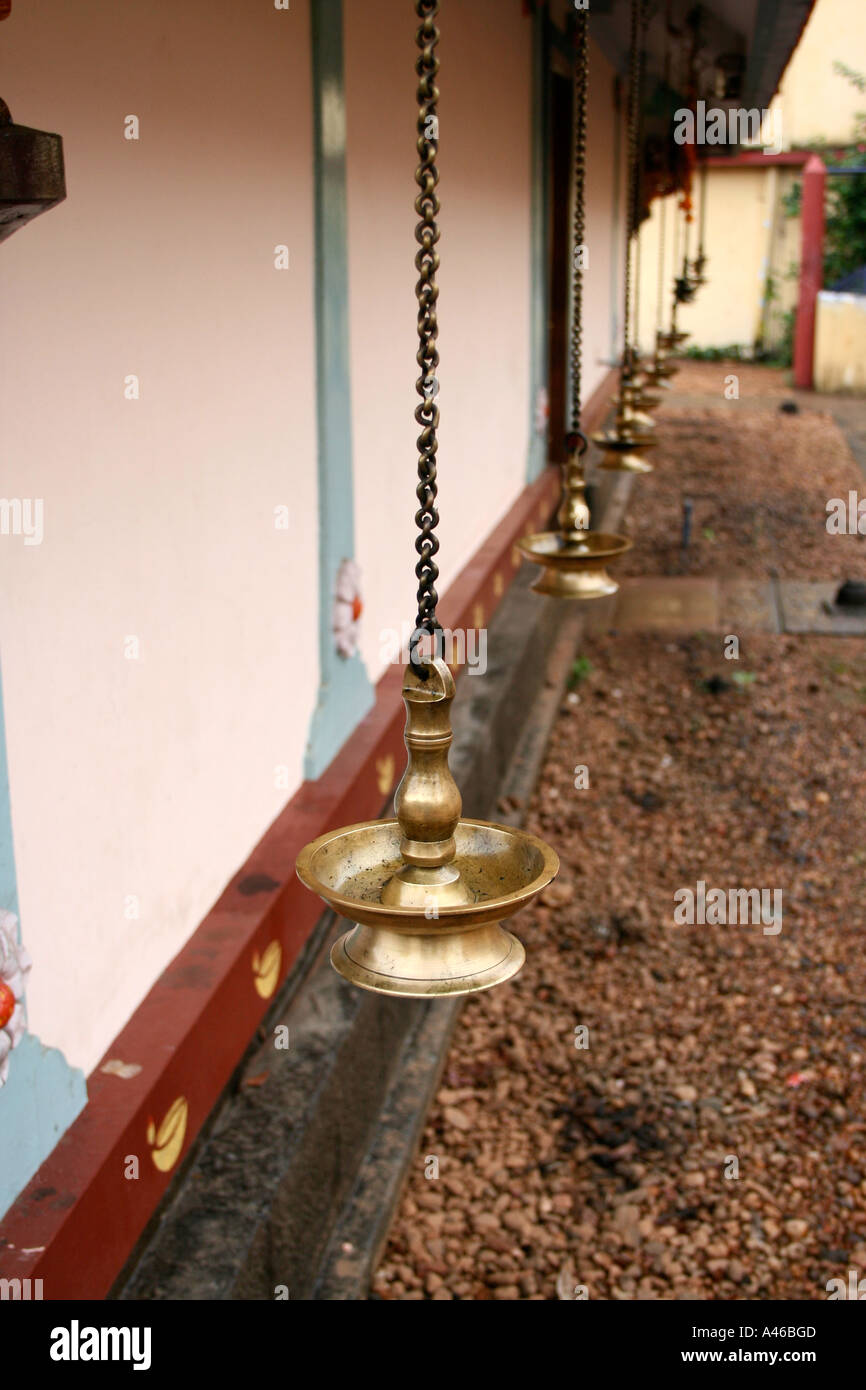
(779, 356)
(857, 79)
(792, 200)
(845, 241)
(785, 347)
(743, 679)
(581, 669)
(732, 353)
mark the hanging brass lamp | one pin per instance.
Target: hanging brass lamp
(676, 336)
(648, 394)
(626, 443)
(657, 374)
(684, 293)
(699, 264)
(633, 401)
(427, 891)
(661, 368)
(574, 559)
(632, 404)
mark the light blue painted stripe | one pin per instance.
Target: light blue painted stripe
(42, 1094)
(345, 693)
(41, 1098)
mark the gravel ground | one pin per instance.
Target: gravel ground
(696, 378)
(610, 1166)
(759, 481)
(705, 1139)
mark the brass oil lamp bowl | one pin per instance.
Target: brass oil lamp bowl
(648, 395)
(661, 369)
(574, 568)
(624, 446)
(632, 412)
(696, 276)
(427, 891)
(659, 374)
(573, 559)
(644, 392)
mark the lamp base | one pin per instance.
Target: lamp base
(625, 463)
(426, 965)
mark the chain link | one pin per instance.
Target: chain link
(661, 275)
(427, 293)
(638, 20)
(700, 259)
(581, 84)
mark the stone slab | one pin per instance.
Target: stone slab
(667, 605)
(749, 605)
(807, 606)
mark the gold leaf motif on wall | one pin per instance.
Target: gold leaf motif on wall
(266, 969)
(385, 773)
(166, 1141)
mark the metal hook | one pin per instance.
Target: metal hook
(576, 442)
(433, 629)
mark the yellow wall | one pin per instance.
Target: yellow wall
(840, 342)
(817, 103)
(746, 233)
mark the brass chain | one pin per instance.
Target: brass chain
(687, 227)
(701, 259)
(635, 317)
(636, 181)
(661, 275)
(427, 293)
(581, 85)
(703, 224)
(637, 15)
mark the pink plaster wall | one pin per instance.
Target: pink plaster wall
(154, 778)
(484, 305)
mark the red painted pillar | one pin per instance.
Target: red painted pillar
(811, 269)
